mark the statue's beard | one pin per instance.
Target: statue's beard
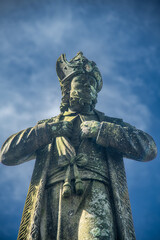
(82, 100)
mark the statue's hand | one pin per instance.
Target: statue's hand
(89, 129)
(61, 128)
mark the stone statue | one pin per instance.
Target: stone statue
(78, 189)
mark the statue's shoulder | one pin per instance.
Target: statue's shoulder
(48, 120)
(118, 121)
(106, 118)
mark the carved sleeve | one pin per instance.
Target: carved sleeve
(127, 140)
(21, 147)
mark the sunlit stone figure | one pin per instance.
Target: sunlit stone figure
(78, 189)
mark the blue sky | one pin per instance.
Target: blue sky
(123, 38)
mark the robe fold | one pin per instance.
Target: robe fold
(120, 135)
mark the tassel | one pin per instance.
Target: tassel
(79, 187)
(66, 190)
(78, 182)
(67, 185)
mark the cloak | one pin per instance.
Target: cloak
(30, 223)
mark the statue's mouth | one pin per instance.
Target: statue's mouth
(83, 96)
(81, 99)
(80, 104)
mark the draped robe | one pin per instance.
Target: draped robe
(118, 138)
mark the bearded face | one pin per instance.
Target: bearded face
(83, 93)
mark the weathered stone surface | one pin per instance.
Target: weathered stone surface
(78, 189)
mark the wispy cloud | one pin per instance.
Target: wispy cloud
(120, 101)
(16, 177)
(32, 92)
(122, 45)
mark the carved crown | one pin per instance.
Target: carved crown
(77, 65)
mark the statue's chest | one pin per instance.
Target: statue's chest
(77, 120)
(89, 157)
(87, 146)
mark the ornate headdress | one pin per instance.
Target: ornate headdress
(77, 65)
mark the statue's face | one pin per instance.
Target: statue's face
(83, 93)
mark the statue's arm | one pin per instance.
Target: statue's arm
(126, 139)
(21, 147)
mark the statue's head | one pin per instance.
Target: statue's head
(80, 82)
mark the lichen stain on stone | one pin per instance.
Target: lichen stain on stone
(96, 232)
(99, 200)
(54, 128)
(100, 207)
